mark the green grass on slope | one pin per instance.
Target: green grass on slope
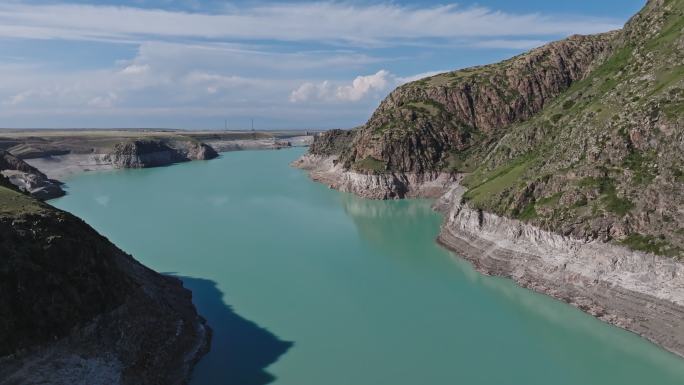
(423, 107)
(671, 31)
(651, 244)
(461, 161)
(484, 187)
(13, 203)
(370, 164)
(430, 107)
(611, 201)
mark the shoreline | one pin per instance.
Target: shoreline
(62, 167)
(639, 292)
(374, 186)
(46, 157)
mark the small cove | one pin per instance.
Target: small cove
(309, 286)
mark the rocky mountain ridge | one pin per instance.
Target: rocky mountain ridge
(582, 136)
(426, 125)
(604, 161)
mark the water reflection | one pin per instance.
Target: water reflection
(385, 224)
(560, 315)
(404, 231)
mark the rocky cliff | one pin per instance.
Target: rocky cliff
(389, 185)
(569, 162)
(605, 159)
(76, 309)
(28, 178)
(153, 153)
(443, 122)
(582, 136)
(641, 292)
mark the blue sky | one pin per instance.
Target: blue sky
(297, 64)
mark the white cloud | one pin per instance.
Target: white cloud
(32, 96)
(285, 22)
(516, 44)
(19, 98)
(163, 75)
(308, 91)
(104, 101)
(245, 58)
(135, 69)
(413, 78)
(223, 81)
(196, 68)
(362, 87)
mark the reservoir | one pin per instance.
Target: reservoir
(304, 285)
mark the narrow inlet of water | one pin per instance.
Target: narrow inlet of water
(304, 285)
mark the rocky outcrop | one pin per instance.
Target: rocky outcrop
(643, 293)
(76, 309)
(583, 136)
(332, 142)
(419, 125)
(129, 154)
(605, 159)
(640, 292)
(324, 165)
(198, 151)
(249, 144)
(28, 178)
(571, 161)
(154, 153)
(327, 170)
(11, 162)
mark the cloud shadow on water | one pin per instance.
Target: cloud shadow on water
(240, 349)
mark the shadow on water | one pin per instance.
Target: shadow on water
(240, 349)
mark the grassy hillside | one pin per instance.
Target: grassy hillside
(605, 159)
(14, 203)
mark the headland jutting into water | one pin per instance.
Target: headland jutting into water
(560, 168)
(76, 308)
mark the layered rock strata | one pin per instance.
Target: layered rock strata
(640, 292)
(152, 153)
(399, 185)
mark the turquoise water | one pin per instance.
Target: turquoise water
(304, 285)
